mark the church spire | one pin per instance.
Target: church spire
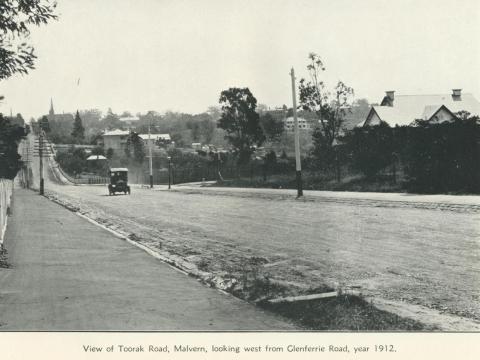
(51, 113)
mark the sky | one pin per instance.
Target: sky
(141, 55)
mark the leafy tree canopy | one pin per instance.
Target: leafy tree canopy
(272, 127)
(330, 108)
(240, 121)
(10, 136)
(16, 19)
(78, 132)
(135, 145)
(44, 124)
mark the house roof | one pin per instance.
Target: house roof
(116, 132)
(414, 105)
(408, 108)
(118, 169)
(155, 136)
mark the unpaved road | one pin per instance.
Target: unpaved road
(414, 250)
(68, 274)
(420, 256)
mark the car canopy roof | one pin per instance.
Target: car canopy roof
(118, 169)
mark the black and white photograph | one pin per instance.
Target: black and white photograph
(240, 166)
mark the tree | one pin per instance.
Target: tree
(466, 116)
(98, 150)
(262, 109)
(44, 124)
(194, 127)
(214, 112)
(272, 127)
(18, 120)
(135, 145)
(126, 113)
(109, 153)
(78, 132)
(10, 136)
(358, 112)
(371, 148)
(240, 121)
(16, 17)
(316, 99)
(330, 112)
(111, 121)
(74, 161)
(207, 130)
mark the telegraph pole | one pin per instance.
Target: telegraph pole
(298, 164)
(169, 171)
(150, 154)
(40, 154)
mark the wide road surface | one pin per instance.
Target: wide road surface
(418, 255)
(410, 249)
(68, 274)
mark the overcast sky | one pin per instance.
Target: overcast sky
(141, 55)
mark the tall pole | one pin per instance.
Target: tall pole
(40, 153)
(298, 164)
(169, 171)
(150, 154)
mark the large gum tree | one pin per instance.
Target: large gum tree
(241, 121)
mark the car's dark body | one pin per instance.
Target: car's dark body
(118, 181)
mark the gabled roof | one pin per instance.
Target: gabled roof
(412, 106)
(405, 109)
(430, 111)
(394, 116)
(116, 132)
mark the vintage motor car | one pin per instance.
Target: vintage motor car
(118, 181)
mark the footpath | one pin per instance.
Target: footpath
(66, 273)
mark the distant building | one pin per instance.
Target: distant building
(405, 109)
(129, 121)
(156, 139)
(52, 117)
(278, 113)
(117, 139)
(303, 124)
(197, 146)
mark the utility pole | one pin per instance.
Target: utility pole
(40, 154)
(169, 171)
(298, 164)
(150, 154)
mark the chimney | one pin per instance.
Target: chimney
(457, 94)
(390, 96)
